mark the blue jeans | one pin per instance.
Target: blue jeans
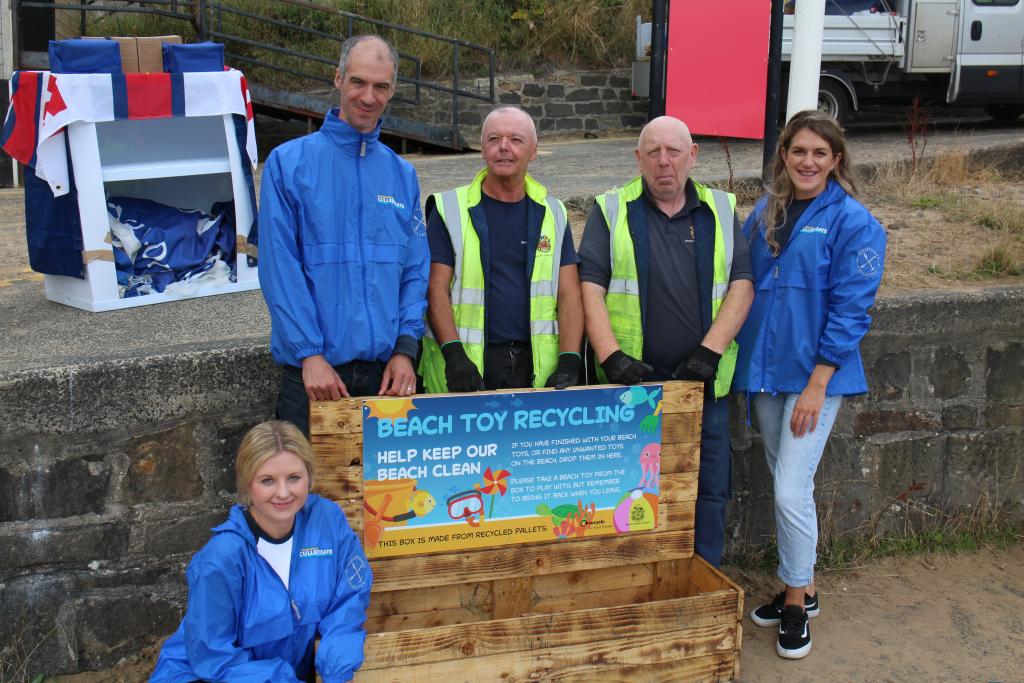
(714, 483)
(792, 462)
(361, 378)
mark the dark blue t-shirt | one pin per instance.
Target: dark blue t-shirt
(508, 289)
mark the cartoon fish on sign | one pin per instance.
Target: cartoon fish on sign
(637, 396)
(421, 503)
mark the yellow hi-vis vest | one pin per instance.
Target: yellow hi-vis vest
(623, 297)
(467, 286)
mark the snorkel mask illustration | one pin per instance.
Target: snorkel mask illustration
(467, 505)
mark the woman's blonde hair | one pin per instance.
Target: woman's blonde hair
(263, 442)
(780, 188)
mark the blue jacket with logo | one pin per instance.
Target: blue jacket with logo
(812, 300)
(242, 625)
(343, 257)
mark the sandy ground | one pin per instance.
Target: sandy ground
(917, 619)
(927, 618)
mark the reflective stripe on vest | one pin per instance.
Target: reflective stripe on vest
(467, 287)
(623, 295)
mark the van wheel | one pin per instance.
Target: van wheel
(833, 100)
(1004, 112)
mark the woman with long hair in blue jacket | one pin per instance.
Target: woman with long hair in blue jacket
(284, 567)
(817, 256)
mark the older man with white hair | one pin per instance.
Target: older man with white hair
(666, 286)
(503, 301)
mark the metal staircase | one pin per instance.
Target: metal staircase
(293, 74)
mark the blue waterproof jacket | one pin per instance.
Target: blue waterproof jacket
(243, 626)
(812, 300)
(343, 256)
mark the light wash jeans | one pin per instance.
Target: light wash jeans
(792, 462)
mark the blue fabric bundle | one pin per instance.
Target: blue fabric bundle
(206, 56)
(155, 244)
(85, 56)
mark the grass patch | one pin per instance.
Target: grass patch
(906, 527)
(997, 261)
(846, 552)
(926, 203)
(1004, 217)
(850, 551)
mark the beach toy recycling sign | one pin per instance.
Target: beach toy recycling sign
(480, 470)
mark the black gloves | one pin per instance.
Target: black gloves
(700, 366)
(459, 371)
(623, 369)
(567, 373)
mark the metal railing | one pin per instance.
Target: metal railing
(218, 20)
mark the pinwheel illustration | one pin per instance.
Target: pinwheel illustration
(494, 483)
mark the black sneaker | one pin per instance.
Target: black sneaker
(770, 614)
(794, 633)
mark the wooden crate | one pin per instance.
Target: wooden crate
(637, 607)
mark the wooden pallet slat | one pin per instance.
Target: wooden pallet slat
(472, 596)
(551, 631)
(556, 663)
(680, 457)
(414, 571)
(713, 667)
(425, 620)
(552, 586)
(613, 597)
(680, 428)
(682, 397)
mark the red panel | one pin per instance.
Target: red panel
(717, 66)
(149, 96)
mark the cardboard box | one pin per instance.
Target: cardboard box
(151, 54)
(142, 55)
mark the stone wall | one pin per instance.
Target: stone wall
(110, 478)
(563, 102)
(942, 428)
(112, 474)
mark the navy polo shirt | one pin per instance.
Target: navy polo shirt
(508, 288)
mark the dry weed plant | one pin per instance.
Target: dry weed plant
(916, 128)
(731, 187)
(15, 658)
(908, 525)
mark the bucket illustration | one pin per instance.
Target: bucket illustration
(393, 496)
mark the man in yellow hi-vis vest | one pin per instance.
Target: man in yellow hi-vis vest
(503, 301)
(666, 286)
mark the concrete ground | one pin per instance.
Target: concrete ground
(42, 334)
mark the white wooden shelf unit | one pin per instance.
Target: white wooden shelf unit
(186, 162)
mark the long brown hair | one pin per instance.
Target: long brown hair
(780, 188)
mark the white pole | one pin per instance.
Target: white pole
(7, 62)
(6, 40)
(805, 62)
